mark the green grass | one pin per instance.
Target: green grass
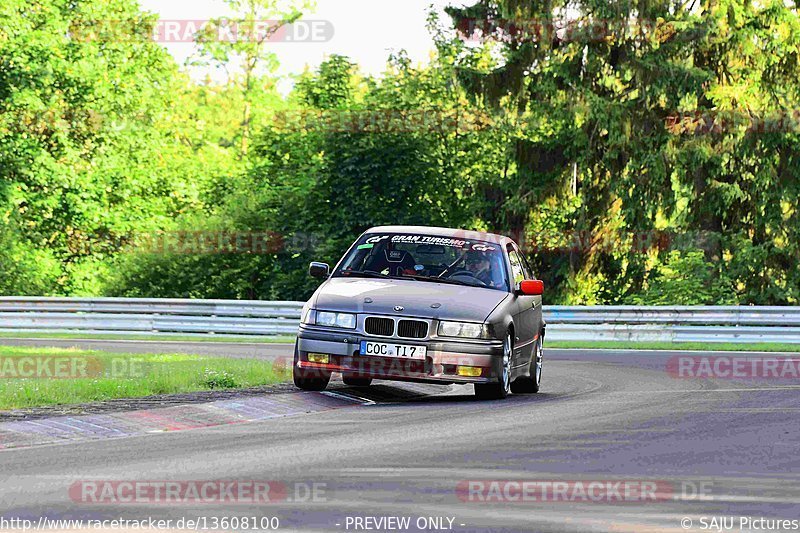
(229, 339)
(103, 376)
(676, 346)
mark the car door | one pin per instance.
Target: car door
(528, 308)
(538, 314)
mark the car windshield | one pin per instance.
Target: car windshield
(427, 258)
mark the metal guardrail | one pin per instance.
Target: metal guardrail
(148, 316)
(737, 324)
(228, 317)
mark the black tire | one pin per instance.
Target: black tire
(531, 384)
(309, 379)
(499, 390)
(353, 381)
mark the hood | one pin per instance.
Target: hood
(455, 302)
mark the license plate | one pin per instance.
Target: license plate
(401, 351)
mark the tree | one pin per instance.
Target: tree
(241, 41)
(595, 88)
(81, 155)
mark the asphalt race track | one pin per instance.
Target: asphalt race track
(714, 448)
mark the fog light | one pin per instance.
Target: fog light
(318, 358)
(469, 371)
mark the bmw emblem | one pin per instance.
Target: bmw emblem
(399, 308)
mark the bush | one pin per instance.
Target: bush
(686, 278)
(25, 270)
(218, 380)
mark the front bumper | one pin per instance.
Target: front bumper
(440, 366)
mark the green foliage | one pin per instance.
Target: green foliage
(23, 268)
(218, 380)
(685, 279)
(254, 24)
(574, 143)
(83, 147)
(594, 109)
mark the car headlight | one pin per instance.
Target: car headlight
(336, 320)
(468, 330)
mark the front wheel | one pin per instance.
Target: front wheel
(309, 379)
(532, 383)
(499, 390)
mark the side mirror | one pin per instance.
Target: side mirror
(532, 287)
(319, 270)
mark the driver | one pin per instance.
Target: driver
(478, 264)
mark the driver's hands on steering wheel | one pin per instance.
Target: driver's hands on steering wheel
(467, 273)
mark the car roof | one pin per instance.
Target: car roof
(443, 232)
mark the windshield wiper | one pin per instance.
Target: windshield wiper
(372, 274)
(365, 274)
(435, 280)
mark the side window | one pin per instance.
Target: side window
(516, 266)
(526, 267)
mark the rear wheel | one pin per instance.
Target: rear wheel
(309, 379)
(499, 390)
(531, 384)
(353, 381)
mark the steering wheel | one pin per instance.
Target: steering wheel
(472, 277)
(462, 273)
